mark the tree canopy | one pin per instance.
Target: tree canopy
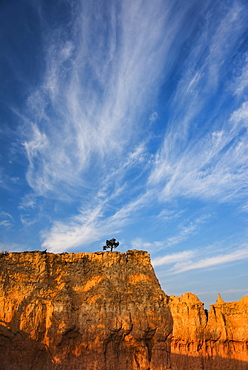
(111, 244)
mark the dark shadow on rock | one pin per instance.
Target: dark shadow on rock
(19, 352)
(183, 362)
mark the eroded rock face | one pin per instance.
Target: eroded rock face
(87, 311)
(106, 311)
(210, 341)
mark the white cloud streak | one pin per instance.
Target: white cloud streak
(89, 226)
(191, 259)
(173, 258)
(28, 202)
(235, 256)
(186, 231)
(239, 86)
(138, 243)
(6, 219)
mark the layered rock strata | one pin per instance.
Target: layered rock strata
(87, 311)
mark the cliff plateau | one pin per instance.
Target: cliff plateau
(87, 311)
(107, 311)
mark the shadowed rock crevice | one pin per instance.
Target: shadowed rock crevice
(19, 352)
(186, 362)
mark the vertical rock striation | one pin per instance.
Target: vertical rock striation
(99, 311)
(209, 341)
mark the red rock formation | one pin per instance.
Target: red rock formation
(211, 341)
(99, 311)
(106, 311)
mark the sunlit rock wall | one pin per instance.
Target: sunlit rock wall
(217, 340)
(87, 311)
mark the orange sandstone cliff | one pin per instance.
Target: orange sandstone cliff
(211, 341)
(106, 311)
(87, 311)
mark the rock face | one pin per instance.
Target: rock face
(211, 341)
(99, 311)
(106, 311)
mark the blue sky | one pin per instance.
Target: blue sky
(128, 119)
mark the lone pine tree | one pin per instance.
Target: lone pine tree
(112, 244)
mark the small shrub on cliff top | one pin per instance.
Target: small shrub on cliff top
(4, 253)
(112, 243)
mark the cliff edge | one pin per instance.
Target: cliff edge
(87, 311)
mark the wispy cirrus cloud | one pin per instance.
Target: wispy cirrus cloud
(6, 219)
(192, 259)
(88, 114)
(90, 225)
(27, 220)
(95, 89)
(211, 162)
(173, 258)
(235, 256)
(87, 121)
(213, 167)
(186, 231)
(28, 202)
(239, 85)
(138, 243)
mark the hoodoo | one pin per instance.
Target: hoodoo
(210, 341)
